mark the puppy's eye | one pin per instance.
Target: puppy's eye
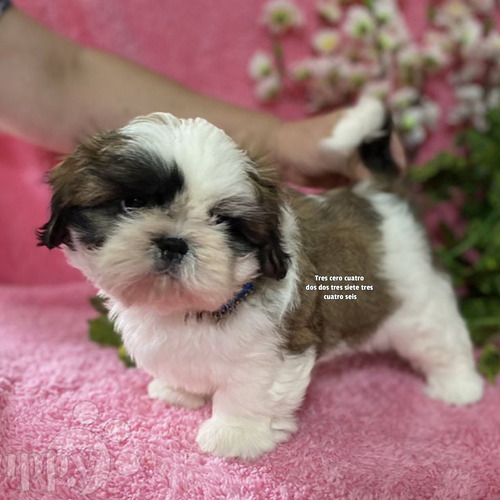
(234, 225)
(131, 204)
(216, 218)
(220, 219)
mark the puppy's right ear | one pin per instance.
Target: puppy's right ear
(81, 179)
(55, 232)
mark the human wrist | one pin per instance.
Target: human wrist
(282, 136)
(261, 135)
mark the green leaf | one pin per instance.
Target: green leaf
(125, 357)
(447, 234)
(482, 334)
(102, 331)
(489, 362)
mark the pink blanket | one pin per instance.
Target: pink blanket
(74, 423)
(77, 424)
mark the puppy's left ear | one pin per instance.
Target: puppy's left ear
(267, 224)
(55, 232)
(273, 260)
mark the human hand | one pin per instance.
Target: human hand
(301, 161)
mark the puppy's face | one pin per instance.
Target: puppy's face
(166, 212)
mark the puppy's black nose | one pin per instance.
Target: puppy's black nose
(171, 249)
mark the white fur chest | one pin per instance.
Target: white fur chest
(198, 356)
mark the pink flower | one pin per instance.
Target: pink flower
(359, 23)
(493, 99)
(326, 41)
(452, 13)
(326, 68)
(494, 75)
(471, 71)
(388, 40)
(434, 58)
(439, 39)
(374, 51)
(412, 117)
(379, 89)
(491, 46)
(483, 6)
(301, 70)
(404, 98)
(400, 30)
(355, 75)
(329, 11)
(386, 11)
(268, 89)
(470, 107)
(469, 93)
(360, 52)
(411, 125)
(431, 113)
(468, 35)
(280, 16)
(414, 137)
(260, 65)
(409, 57)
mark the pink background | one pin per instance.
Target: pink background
(203, 44)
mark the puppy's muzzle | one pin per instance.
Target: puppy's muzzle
(169, 252)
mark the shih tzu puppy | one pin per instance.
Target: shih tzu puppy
(227, 288)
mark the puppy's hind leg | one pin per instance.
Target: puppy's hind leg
(431, 334)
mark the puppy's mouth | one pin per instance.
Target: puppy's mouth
(172, 271)
(156, 287)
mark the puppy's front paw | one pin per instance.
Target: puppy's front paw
(240, 437)
(457, 389)
(176, 397)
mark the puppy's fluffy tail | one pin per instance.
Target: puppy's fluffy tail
(366, 127)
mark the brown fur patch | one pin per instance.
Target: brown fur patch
(73, 182)
(340, 237)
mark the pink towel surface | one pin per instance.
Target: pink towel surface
(75, 423)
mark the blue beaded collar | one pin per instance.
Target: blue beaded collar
(231, 305)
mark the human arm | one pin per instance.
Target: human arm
(56, 92)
